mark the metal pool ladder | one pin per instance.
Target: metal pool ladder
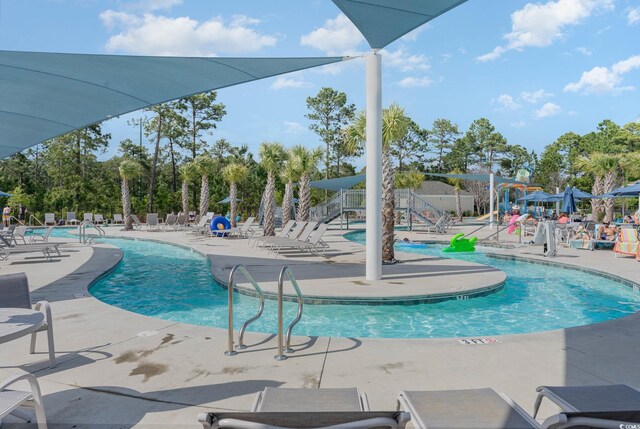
(82, 231)
(231, 351)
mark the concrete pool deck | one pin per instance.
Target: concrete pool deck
(120, 369)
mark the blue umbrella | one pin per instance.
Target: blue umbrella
(537, 196)
(578, 194)
(632, 190)
(568, 201)
(4, 194)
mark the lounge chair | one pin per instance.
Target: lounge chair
(19, 232)
(170, 222)
(202, 227)
(135, 222)
(615, 397)
(6, 248)
(98, 219)
(307, 408)
(245, 231)
(117, 218)
(49, 219)
(474, 408)
(153, 223)
(287, 233)
(181, 221)
(88, 217)
(71, 218)
(43, 238)
(284, 232)
(626, 243)
(14, 293)
(313, 243)
(11, 400)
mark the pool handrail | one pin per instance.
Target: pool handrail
(292, 279)
(230, 349)
(31, 217)
(82, 231)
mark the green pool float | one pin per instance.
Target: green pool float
(459, 244)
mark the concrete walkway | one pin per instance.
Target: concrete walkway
(119, 369)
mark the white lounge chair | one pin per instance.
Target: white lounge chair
(135, 221)
(292, 234)
(88, 217)
(181, 221)
(6, 248)
(19, 232)
(312, 243)
(245, 231)
(279, 243)
(284, 232)
(98, 219)
(14, 293)
(49, 219)
(117, 218)
(12, 400)
(71, 218)
(202, 227)
(170, 222)
(34, 238)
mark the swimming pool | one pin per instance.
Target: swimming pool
(174, 283)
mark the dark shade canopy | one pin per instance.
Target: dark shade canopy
(338, 183)
(483, 177)
(383, 21)
(227, 200)
(44, 95)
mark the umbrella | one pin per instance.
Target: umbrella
(228, 200)
(568, 201)
(632, 190)
(578, 194)
(4, 194)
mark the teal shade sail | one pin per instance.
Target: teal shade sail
(338, 183)
(481, 177)
(383, 21)
(44, 95)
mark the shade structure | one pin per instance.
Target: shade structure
(632, 190)
(383, 21)
(4, 194)
(228, 200)
(578, 194)
(480, 177)
(338, 183)
(568, 201)
(45, 95)
(538, 197)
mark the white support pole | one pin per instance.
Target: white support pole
(492, 189)
(374, 167)
(557, 203)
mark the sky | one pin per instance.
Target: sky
(535, 70)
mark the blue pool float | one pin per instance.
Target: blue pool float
(220, 226)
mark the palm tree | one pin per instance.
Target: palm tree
(272, 156)
(234, 173)
(189, 175)
(289, 175)
(395, 125)
(128, 170)
(408, 179)
(205, 166)
(306, 163)
(606, 169)
(457, 186)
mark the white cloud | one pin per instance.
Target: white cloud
(446, 57)
(152, 34)
(535, 96)
(412, 82)
(584, 51)
(507, 102)
(601, 80)
(633, 16)
(412, 36)
(293, 127)
(540, 25)
(547, 109)
(518, 124)
(150, 5)
(284, 82)
(404, 61)
(337, 37)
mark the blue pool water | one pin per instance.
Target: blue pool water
(174, 283)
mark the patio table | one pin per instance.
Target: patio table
(17, 322)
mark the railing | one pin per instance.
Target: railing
(230, 350)
(32, 217)
(287, 271)
(331, 206)
(82, 230)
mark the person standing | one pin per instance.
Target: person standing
(22, 213)
(6, 215)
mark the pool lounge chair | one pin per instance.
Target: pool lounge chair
(181, 221)
(244, 231)
(306, 408)
(474, 408)
(49, 219)
(14, 293)
(135, 222)
(284, 232)
(153, 224)
(6, 249)
(98, 219)
(87, 217)
(626, 242)
(312, 244)
(170, 222)
(202, 227)
(71, 218)
(117, 218)
(301, 231)
(11, 400)
(34, 238)
(287, 233)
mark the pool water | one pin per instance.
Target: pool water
(174, 283)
